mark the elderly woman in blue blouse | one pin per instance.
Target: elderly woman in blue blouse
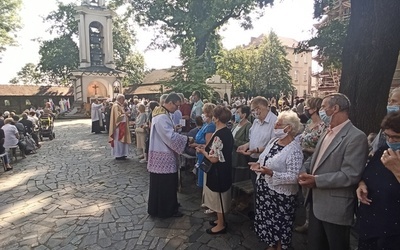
(276, 186)
(202, 138)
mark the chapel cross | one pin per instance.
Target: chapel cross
(95, 89)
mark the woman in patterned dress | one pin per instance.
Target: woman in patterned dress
(276, 186)
(315, 127)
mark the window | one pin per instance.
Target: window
(7, 103)
(305, 76)
(296, 58)
(27, 102)
(296, 75)
(305, 58)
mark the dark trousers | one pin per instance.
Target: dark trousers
(163, 199)
(325, 235)
(253, 177)
(35, 138)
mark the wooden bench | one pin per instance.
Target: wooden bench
(244, 186)
(184, 160)
(242, 193)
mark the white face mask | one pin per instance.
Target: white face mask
(280, 133)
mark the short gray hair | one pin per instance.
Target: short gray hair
(120, 96)
(181, 96)
(394, 91)
(290, 118)
(339, 99)
(162, 98)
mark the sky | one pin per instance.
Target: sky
(287, 18)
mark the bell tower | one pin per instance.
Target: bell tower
(96, 76)
(95, 34)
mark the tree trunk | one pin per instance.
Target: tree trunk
(369, 60)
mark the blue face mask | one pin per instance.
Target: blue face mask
(393, 145)
(237, 118)
(324, 116)
(391, 109)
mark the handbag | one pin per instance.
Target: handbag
(206, 165)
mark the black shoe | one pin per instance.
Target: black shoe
(121, 158)
(223, 231)
(9, 169)
(212, 223)
(177, 214)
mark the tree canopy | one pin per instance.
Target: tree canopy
(257, 70)
(193, 26)
(9, 22)
(28, 74)
(58, 57)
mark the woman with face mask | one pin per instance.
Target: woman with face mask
(379, 192)
(276, 187)
(203, 136)
(313, 130)
(240, 132)
(393, 106)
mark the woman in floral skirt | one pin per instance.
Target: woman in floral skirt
(276, 186)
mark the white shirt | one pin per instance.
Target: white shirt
(261, 132)
(10, 138)
(96, 113)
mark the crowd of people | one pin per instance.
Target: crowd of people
(22, 131)
(309, 148)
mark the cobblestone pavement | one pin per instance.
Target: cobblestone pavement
(73, 195)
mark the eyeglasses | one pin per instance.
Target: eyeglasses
(280, 124)
(255, 109)
(393, 137)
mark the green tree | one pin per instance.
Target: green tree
(262, 70)
(328, 42)
(235, 66)
(9, 22)
(193, 26)
(272, 69)
(29, 74)
(58, 57)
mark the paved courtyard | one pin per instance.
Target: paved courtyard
(73, 195)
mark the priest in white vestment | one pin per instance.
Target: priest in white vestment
(165, 146)
(97, 121)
